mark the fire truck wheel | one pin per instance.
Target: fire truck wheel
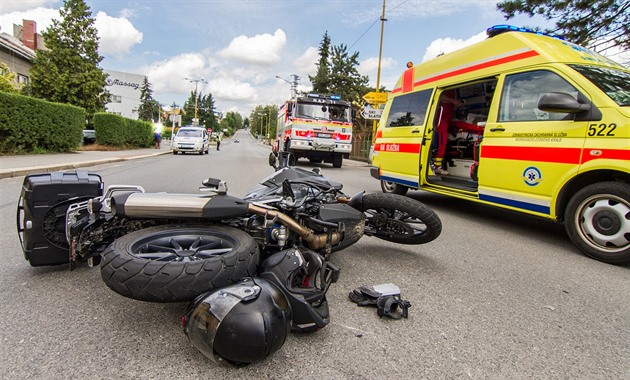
(597, 220)
(337, 161)
(393, 188)
(176, 263)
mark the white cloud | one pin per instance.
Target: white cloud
(117, 35)
(229, 89)
(447, 45)
(261, 49)
(8, 6)
(370, 65)
(42, 16)
(168, 76)
(306, 63)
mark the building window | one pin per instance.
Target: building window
(23, 79)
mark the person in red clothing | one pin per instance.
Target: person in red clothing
(448, 103)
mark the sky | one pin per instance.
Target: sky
(239, 47)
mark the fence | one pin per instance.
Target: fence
(360, 148)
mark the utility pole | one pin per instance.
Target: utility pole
(378, 72)
(196, 121)
(293, 83)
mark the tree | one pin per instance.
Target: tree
(598, 24)
(205, 110)
(69, 72)
(321, 80)
(7, 79)
(146, 109)
(231, 122)
(345, 79)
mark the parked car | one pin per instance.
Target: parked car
(89, 136)
(191, 140)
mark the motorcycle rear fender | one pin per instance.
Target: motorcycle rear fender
(177, 206)
(357, 200)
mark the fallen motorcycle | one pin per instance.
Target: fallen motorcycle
(253, 268)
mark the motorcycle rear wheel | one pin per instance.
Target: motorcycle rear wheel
(399, 219)
(176, 263)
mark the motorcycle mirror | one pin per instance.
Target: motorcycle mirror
(287, 191)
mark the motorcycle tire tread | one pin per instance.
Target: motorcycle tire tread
(156, 281)
(412, 207)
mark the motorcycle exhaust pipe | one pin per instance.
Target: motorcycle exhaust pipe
(192, 206)
(177, 206)
(314, 241)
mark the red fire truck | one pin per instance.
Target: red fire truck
(316, 127)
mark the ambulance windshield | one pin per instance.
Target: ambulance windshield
(615, 83)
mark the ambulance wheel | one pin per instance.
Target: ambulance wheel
(393, 188)
(597, 220)
(176, 263)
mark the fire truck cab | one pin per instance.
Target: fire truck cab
(316, 127)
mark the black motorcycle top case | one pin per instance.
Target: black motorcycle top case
(44, 200)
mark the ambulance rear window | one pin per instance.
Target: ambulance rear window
(409, 109)
(615, 83)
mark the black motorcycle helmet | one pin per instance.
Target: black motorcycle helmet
(241, 323)
(304, 277)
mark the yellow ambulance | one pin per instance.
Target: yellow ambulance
(523, 121)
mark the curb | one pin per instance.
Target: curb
(9, 173)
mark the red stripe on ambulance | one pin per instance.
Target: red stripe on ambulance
(555, 155)
(396, 147)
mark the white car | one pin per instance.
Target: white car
(191, 140)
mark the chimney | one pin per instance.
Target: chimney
(29, 34)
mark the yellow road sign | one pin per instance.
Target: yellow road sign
(376, 97)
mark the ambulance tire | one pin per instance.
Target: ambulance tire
(597, 220)
(176, 263)
(393, 188)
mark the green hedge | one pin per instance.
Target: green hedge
(29, 125)
(119, 131)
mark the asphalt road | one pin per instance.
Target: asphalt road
(497, 296)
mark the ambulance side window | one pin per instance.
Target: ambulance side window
(409, 109)
(521, 93)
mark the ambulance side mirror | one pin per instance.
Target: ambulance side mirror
(561, 102)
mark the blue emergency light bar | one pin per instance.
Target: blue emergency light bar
(331, 97)
(498, 29)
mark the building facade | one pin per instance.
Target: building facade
(125, 93)
(17, 50)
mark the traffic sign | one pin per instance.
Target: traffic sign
(371, 113)
(375, 97)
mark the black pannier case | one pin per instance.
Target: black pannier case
(41, 214)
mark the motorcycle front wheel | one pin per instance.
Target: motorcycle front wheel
(399, 219)
(176, 263)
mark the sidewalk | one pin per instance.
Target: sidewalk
(19, 165)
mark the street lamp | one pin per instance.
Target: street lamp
(196, 96)
(294, 83)
(262, 130)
